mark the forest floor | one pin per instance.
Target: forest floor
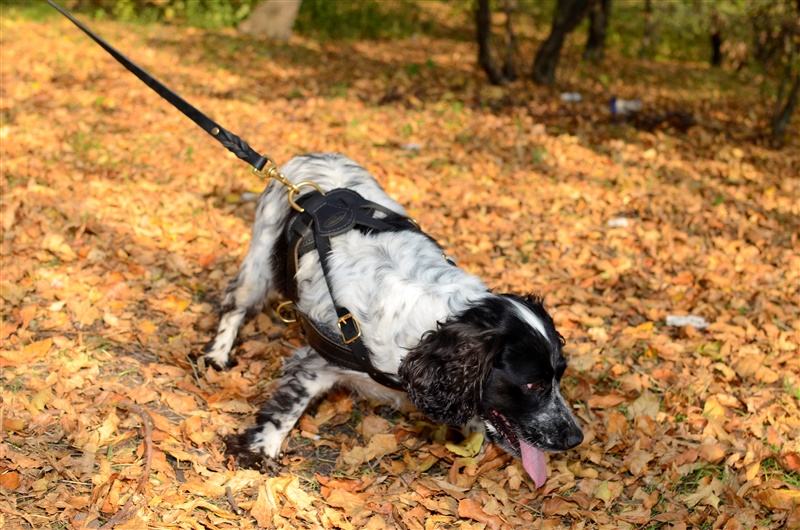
(122, 222)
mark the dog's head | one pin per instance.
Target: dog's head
(500, 359)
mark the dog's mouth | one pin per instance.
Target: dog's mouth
(532, 458)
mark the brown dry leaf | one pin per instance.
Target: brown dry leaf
(372, 425)
(606, 401)
(351, 503)
(264, 507)
(143, 394)
(706, 494)
(637, 461)
(637, 516)
(378, 446)
(792, 461)
(471, 509)
(556, 506)
(712, 452)
(648, 404)
(779, 499)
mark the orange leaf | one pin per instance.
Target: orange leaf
(10, 480)
(473, 510)
(7, 328)
(779, 499)
(792, 461)
(32, 352)
(605, 402)
(13, 425)
(712, 453)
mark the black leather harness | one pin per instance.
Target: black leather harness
(324, 217)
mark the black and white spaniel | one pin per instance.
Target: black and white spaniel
(461, 351)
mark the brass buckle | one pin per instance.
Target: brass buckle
(342, 321)
(285, 318)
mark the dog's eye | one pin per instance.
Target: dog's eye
(535, 387)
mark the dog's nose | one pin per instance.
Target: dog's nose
(574, 438)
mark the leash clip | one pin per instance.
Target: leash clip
(271, 172)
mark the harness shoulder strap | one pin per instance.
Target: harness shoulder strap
(324, 217)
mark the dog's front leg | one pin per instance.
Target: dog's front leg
(255, 282)
(307, 375)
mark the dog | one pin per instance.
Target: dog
(463, 353)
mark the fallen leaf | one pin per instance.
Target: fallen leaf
(10, 480)
(469, 447)
(30, 353)
(711, 452)
(637, 461)
(608, 491)
(471, 509)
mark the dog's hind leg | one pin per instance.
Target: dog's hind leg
(256, 280)
(306, 376)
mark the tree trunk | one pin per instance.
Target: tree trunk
(272, 19)
(781, 119)
(509, 67)
(716, 38)
(568, 15)
(483, 24)
(647, 38)
(599, 13)
(716, 48)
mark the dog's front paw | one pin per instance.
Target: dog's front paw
(238, 447)
(217, 358)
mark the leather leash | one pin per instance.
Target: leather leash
(229, 140)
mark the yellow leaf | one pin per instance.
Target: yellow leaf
(712, 409)
(108, 428)
(55, 243)
(468, 447)
(147, 327)
(42, 398)
(378, 446)
(608, 491)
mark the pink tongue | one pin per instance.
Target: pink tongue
(533, 462)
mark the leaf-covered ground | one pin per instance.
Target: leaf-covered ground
(121, 222)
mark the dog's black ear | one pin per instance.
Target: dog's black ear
(444, 375)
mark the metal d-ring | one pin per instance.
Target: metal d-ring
(296, 189)
(286, 306)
